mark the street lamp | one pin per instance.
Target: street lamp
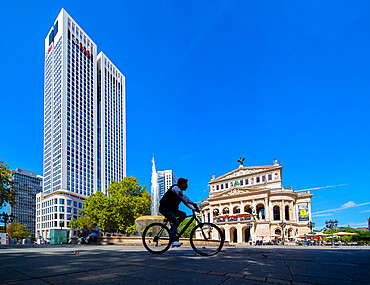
(283, 225)
(331, 225)
(5, 218)
(311, 225)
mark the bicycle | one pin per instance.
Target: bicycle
(205, 238)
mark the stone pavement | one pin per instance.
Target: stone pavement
(96, 264)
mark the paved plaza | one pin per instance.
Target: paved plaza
(97, 264)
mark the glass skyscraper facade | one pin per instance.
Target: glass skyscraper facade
(112, 131)
(84, 121)
(166, 178)
(27, 184)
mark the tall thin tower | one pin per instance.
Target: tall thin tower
(70, 98)
(84, 124)
(111, 123)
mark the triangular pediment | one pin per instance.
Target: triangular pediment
(236, 191)
(244, 171)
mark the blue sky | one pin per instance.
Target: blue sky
(210, 81)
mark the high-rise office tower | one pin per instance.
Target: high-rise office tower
(27, 184)
(84, 123)
(111, 123)
(166, 179)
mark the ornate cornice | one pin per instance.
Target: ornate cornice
(245, 171)
(238, 192)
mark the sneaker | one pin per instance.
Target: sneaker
(176, 244)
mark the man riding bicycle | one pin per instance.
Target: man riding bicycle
(169, 207)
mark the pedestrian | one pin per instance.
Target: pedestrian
(84, 232)
(95, 232)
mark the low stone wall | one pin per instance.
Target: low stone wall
(113, 240)
(126, 241)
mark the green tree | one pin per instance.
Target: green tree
(125, 202)
(129, 201)
(18, 231)
(7, 192)
(80, 222)
(98, 208)
(360, 237)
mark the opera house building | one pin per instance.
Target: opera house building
(250, 204)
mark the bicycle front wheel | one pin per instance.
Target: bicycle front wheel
(156, 238)
(207, 239)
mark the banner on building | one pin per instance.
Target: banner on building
(303, 213)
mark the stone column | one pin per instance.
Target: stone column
(239, 233)
(282, 210)
(227, 233)
(211, 214)
(267, 209)
(253, 232)
(296, 211)
(254, 207)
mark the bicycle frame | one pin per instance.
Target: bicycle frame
(193, 217)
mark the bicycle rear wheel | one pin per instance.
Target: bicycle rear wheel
(206, 239)
(156, 238)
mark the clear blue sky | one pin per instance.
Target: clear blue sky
(210, 81)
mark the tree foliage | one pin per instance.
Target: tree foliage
(125, 202)
(7, 192)
(18, 231)
(129, 201)
(360, 237)
(83, 220)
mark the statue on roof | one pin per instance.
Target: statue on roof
(240, 160)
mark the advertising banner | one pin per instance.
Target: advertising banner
(303, 213)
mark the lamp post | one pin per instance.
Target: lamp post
(311, 225)
(331, 225)
(5, 218)
(283, 225)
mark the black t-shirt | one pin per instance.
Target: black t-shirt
(170, 200)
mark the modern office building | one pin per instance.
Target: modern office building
(111, 123)
(27, 184)
(84, 123)
(166, 179)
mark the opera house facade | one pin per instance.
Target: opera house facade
(250, 204)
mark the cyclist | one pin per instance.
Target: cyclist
(169, 207)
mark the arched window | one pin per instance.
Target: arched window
(248, 209)
(278, 232)
(276, 210)
(287, 213)
(215, 213)
(260, 211)
(225, 211)
(236, 210)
